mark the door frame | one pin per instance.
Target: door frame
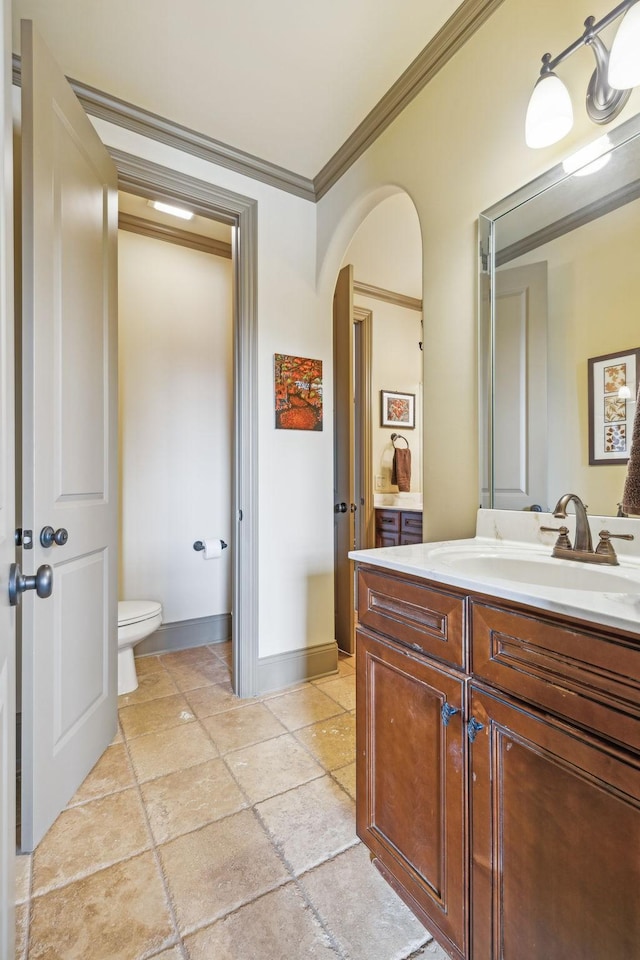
(363, 425)
(153, 181)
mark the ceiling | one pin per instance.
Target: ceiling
(287, 81)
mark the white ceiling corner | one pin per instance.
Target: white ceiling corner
(286, 81)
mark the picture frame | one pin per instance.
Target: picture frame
(610, 414)
(298, 392)
(397, 409)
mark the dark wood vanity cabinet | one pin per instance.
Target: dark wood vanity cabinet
(410, 787)
(555, 852)
(397, 527)
(498, 771)
(411, 753)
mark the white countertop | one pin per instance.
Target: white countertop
(513, 531)
(398, 501)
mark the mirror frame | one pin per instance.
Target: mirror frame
(487, 221)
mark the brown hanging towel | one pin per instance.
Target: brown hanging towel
(401, 468)
(631, 495)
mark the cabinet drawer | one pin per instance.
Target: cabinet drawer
(387, 520)
(583, 675)
(408, 610)
(410, 538)
(411, 523)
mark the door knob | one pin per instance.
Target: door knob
(340, 508)
(49, 536)
(42, 583)
(353, 507)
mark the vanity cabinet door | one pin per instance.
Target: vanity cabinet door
(387, 528)
(411, 782)
(555, 825)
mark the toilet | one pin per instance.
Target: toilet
(137, 619)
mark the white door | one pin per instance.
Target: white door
(69, 482)
(7, 512)
(343, 460)
(520, 427)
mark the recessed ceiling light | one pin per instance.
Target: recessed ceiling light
(170, 209)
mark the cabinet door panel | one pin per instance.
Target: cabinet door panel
(411, 522)
(410, 781)
(556, 840)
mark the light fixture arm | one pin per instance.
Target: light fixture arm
(603, 102)
(550, 114)
(592, 29)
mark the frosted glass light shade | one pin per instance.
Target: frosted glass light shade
(624, 60)
(549, 114)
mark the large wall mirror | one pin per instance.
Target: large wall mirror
(560, 332)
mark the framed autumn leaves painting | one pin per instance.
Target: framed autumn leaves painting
(613, 390)
(397, 409)
(298, 392)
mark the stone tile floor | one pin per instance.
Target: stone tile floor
(215, 828)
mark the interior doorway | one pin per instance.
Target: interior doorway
(154, 182)
(377, 325)
(175, 385)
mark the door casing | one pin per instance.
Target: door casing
(153, 181)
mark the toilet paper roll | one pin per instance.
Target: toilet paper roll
(212, 549)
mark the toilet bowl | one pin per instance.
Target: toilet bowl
(137, 619)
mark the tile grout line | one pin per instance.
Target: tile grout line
(293, 878)
(158, 861)
(176, 940)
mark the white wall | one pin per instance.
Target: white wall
(295, 468)
(175, 386)
(457, 149)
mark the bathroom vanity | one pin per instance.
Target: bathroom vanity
(498, 742)
(395, 527)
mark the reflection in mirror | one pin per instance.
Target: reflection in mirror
(560, 285)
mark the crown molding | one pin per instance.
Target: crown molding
(590, 211)
(389, 296)
(154, 127)
(184, 238)
(469, 16)
(459, 28)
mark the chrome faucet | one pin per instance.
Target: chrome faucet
(583, 531)
(583, 546)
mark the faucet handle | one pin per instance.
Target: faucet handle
(563, 540)
(605, 547)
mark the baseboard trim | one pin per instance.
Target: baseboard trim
(307, 663)
(186, 633)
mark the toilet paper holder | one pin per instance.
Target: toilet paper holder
(199, 545)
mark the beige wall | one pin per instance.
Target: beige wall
(175, 375)
(594, 292)
(458, 148)
(397, 366)
(386, 252)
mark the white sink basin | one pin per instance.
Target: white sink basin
(536, 569)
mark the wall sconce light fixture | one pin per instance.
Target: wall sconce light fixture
(550, 114)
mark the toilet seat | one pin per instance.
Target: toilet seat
(136, 611)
